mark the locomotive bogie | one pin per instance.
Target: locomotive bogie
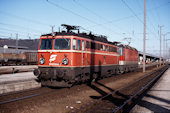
(74, 75)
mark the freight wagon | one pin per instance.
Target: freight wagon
(18, 59)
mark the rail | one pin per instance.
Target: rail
(24, 97)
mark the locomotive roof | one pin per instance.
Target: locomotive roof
(100, 38)
(127, 46)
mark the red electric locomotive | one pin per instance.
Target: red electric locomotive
(128, 59)
(66, 58)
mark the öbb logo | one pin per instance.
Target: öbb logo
(52, 58)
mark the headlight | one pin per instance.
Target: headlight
(65, 61)
(42, 60)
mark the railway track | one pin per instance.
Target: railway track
(121, 99)
(21, 95)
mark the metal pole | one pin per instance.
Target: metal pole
(160, 44)
(144, 36)
(164, 46)
(17, 43)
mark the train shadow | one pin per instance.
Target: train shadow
(118, 99)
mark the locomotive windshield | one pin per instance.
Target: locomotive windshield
(46, 44)
(62, 43)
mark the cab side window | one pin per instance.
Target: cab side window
(121, 51)
(79, 45)
(87, 44)
(74, 44)
(83, 45)
(104, 48)
(107, 48)
(101, 47)
(93, 45)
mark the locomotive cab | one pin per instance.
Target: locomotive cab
(54, 51)
(54, 57)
